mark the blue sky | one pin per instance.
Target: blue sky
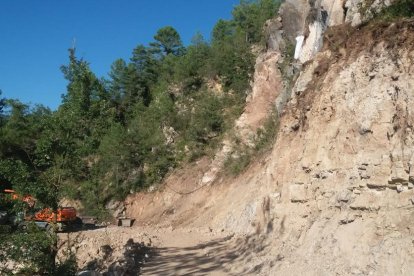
(35, 36)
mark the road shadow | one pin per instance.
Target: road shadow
(134, 256)
(227, 255)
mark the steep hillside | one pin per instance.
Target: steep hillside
(335, 195)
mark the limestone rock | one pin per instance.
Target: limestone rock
(273, 34)
(347, 218)
(344, 196)
(313, 42)
(366, 202)
(298, 193)
(116, 208)
(335, 9)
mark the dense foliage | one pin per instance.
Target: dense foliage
(399, 9)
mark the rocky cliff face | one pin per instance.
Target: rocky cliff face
(310, 18)
(345, 175)
(336, 194)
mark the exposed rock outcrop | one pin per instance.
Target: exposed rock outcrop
(266, 88)
(336, 194)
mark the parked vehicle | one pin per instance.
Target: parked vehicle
(61, 219)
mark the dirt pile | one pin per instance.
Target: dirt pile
(109, 250)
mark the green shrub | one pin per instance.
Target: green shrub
(400, 9)
(243, 154)
(238, 162)
(266, 135)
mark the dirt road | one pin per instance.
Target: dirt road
(190, 253)
(155, 251)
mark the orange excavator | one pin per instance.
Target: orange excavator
(46, 218)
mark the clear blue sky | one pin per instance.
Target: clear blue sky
(35, 36)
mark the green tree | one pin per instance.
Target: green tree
(191, 68)
(34, 251)
(146, 64)
(147, 130)
(15, 134)
(120, 154)
(250, 17)
(2, 105)
(127, 87)
(30, 252)
(223, 30)
(233, 61)
(81, 82)
(168, 41)
(84, 114)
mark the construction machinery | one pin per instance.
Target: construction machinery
(62, 219)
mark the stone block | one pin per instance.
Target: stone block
(298, 193)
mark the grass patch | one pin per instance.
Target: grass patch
(264, 140)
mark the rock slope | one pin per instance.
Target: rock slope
(335, 196)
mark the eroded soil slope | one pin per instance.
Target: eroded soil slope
(334, 196)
